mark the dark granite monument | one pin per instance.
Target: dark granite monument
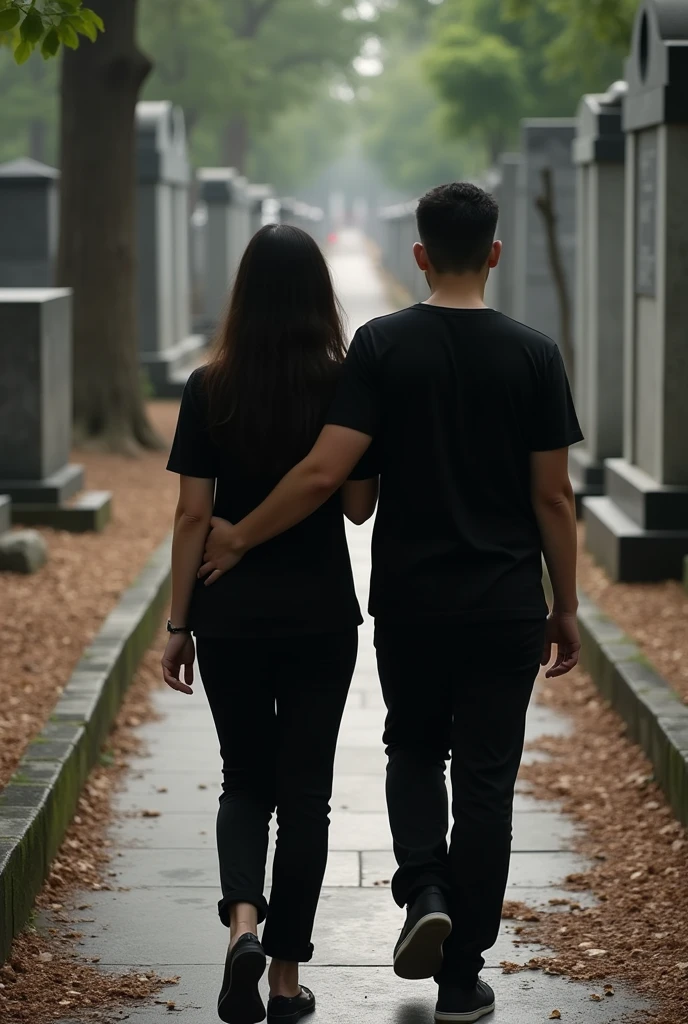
(639, 529)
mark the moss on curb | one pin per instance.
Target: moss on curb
(70, 745)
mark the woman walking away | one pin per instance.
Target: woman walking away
(276, 638)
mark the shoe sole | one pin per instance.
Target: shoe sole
(240, 1001)
(290, 1018)
(463, 1018)
(420, 954)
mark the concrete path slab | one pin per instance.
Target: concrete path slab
(373, 995)
(164, 914)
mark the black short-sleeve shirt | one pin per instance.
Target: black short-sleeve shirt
(455, 400)
(298, 583)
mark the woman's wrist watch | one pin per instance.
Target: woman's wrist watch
(177, 629)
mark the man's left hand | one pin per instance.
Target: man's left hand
(222, 551)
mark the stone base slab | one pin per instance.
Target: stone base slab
(51, 490)
(91, 512)
(587, 476)
(628, 552)
(38, 803)
(169, 371)
(650, 505)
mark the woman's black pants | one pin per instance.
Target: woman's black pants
(277, 706)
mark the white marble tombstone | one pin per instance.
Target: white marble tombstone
(599, 154)
(29, 219)
(167, 348)
(639, 529)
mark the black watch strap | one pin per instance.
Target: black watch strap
(177, 629)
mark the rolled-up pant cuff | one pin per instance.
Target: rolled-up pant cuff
(281, 950)
(226, 903)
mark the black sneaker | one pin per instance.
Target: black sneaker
(418, 953)
(286, 1010)
(239, 1001)
(460, 1004)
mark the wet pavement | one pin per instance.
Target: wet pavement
(165, 918)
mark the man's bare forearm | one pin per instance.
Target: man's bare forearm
(298, 494)
(557, 521)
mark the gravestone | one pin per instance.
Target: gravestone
(505, 192)
(399, 233)
(221, 191)
(168, 350)
(29, 219)
(599, 154)
(309, 218)
(546, 146)
(36, 414)
(639, 529)
(258, 196)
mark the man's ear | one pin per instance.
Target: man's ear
(421, 257)
(495, 253)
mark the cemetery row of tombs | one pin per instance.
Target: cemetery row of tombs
(594, 221)
(191, 233)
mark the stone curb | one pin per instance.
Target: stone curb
(40, 799)
(656, 717)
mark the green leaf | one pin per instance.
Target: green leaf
(84, 27)
(95, 19)
(31, 27)
(70, 5)
(51, 44)
(68, 36)
(23, 51)
(8, 19)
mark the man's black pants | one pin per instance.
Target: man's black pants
(277, 706)
(459, 689)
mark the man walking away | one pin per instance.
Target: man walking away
(472, 417)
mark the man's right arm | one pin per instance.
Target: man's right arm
(555, 511)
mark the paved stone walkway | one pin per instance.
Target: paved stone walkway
(166, 916)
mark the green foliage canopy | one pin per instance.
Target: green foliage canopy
(27, 25)
(494, 62)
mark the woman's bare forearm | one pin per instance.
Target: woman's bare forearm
(188, 541)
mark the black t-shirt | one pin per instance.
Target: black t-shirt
(456, 400)
(298, 583)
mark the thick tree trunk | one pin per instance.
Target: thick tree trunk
(97, 250)
(545, 203)
(235, 143)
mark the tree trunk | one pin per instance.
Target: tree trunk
(545, 203)
(97, 250)
(235, 143)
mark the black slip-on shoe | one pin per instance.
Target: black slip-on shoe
(461, 1006)
(239, 1001)
(418, 953)
(285, 1010)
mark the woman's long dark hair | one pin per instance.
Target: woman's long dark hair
(277, 352)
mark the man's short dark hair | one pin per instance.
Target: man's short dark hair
(457, 225)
